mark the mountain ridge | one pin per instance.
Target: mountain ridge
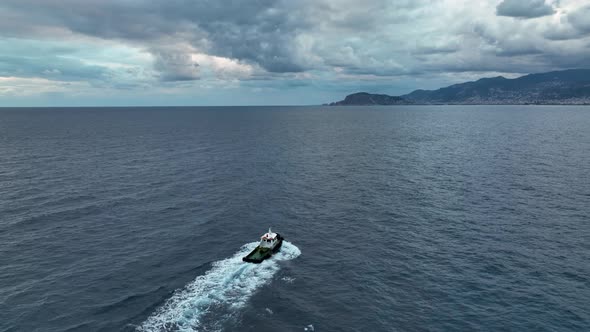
(571, 86)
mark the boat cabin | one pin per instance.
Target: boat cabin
(268, 240)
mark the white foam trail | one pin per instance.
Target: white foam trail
(222, 290)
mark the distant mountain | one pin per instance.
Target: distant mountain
(364, 98)
(558, 87)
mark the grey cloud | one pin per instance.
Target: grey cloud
(270, 48)
(382, 71)
(576, 25)
(175, 66)
(436, 49)
(278, 83)
(518, 51)
(561, 33)
(518, 46)
(524, 8)
(485, 64)
(367, 16)
(505, 43)
(580, 19)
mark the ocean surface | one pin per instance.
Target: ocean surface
(405, 218)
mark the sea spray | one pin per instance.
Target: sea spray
(222, 291)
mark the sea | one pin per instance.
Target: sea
(401, 218)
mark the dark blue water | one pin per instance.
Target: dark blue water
(398, 219)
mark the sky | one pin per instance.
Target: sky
(274, 52)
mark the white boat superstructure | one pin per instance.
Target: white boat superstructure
(269, 240)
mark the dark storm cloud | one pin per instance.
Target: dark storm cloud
(298, 41)
(524, 8)
(259, 32)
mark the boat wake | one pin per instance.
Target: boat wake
(221, 292)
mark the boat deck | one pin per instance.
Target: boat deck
(258, 255)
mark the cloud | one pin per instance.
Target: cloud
(436, 49)
(175, 66)
(49, 66)
(99, 64)
(524, 8)
(573, 24)
(580, 19)
(11, 86)
(259, 31)
(179, 45)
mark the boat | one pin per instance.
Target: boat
(269, 244)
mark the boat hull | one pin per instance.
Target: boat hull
(258, 255)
